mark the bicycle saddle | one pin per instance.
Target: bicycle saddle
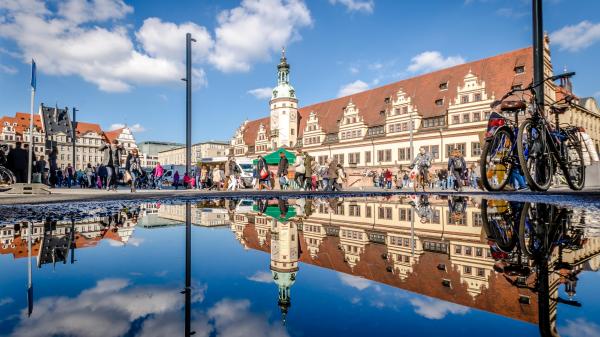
(512, 106)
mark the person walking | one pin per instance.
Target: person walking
(176, 179)
(388, 178)
(307, 171)
(282, 170)
(133, 167)
(314, 176)
(263, 174)
(231, 172)
(203, 177)
(112, 161)
(159, 171)
(456, 168)
(69, 174)
(40, 168)
(332, 174)
(52, 166)
(217, 178)
(89, 174)
(299, 170)
(17, 161)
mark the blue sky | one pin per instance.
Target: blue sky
(119, 62)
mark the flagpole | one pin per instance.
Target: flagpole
(33, 80)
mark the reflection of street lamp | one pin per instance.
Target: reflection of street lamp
(73, 136)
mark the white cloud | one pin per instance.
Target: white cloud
(6, 300)
(261, 276)
(433, 60)
(576, 37)
(352, 88)
(436, 309)
(78, 11)
(261, 93)
(7, 69)
(137, 127)
(233, 318)
(375, 66)
(354, 70)
(252, 31)
(580, 328)
(365, 6)
(354, 281)
(167, 40)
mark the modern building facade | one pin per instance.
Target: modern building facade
(385, 126)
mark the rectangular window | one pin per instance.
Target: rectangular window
(443, 86)
(477, 97)
(477, 220)
(466, 118)
(367, 157)
(380, 155)
(434, 151)
(467, 270)
(480, 272)
(455, 119)
(439, 102)
(479, 252)
(476, 116)
(388, 155)
(368, 211)
(468, 251)
(464, 99)
(475, 149)
(451, 147)
(458, 249)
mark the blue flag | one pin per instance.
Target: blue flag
(32, 74)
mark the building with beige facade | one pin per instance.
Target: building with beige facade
(176, 156)
(53, 128)
(385, 126)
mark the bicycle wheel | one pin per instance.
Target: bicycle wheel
(534, 156)
(7, 178)
(572, 162)
(496, 161)
(528, 237)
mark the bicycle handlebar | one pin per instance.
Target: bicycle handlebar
(532, 85)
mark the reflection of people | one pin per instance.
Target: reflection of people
(423, 208)
(457, 207)
(283, 208)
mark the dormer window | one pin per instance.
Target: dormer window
(386, 100)
(516, 87)
(439, 102)
(519, 69)
(443, 86)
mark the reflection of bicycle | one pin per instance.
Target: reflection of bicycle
(499, 219)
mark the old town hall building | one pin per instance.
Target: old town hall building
(446, 109)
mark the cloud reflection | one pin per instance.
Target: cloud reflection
(436, 309)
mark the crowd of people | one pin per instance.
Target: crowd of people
(304, 173)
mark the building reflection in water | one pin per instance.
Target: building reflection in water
(507, 258)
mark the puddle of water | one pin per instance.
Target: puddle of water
(391, 265)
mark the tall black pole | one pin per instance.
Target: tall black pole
(538, 50)
(74, 135)
(188, 102)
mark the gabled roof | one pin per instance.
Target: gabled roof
(22, 119)
(82, 128)
(113, 134)
(252, 127)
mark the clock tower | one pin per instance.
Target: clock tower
(284, 108)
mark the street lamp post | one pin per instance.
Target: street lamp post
(412, 124)
(188, 101)
(538, 50)
(73, 136)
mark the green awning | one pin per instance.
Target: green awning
(273, 157)
(274, 212)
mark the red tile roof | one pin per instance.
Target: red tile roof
(251, 130)
(114, 134)
(22, 119)
(497, 72)
(83, 128)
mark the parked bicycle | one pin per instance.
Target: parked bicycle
(7, 178)
(542, 147)
(510, 146)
